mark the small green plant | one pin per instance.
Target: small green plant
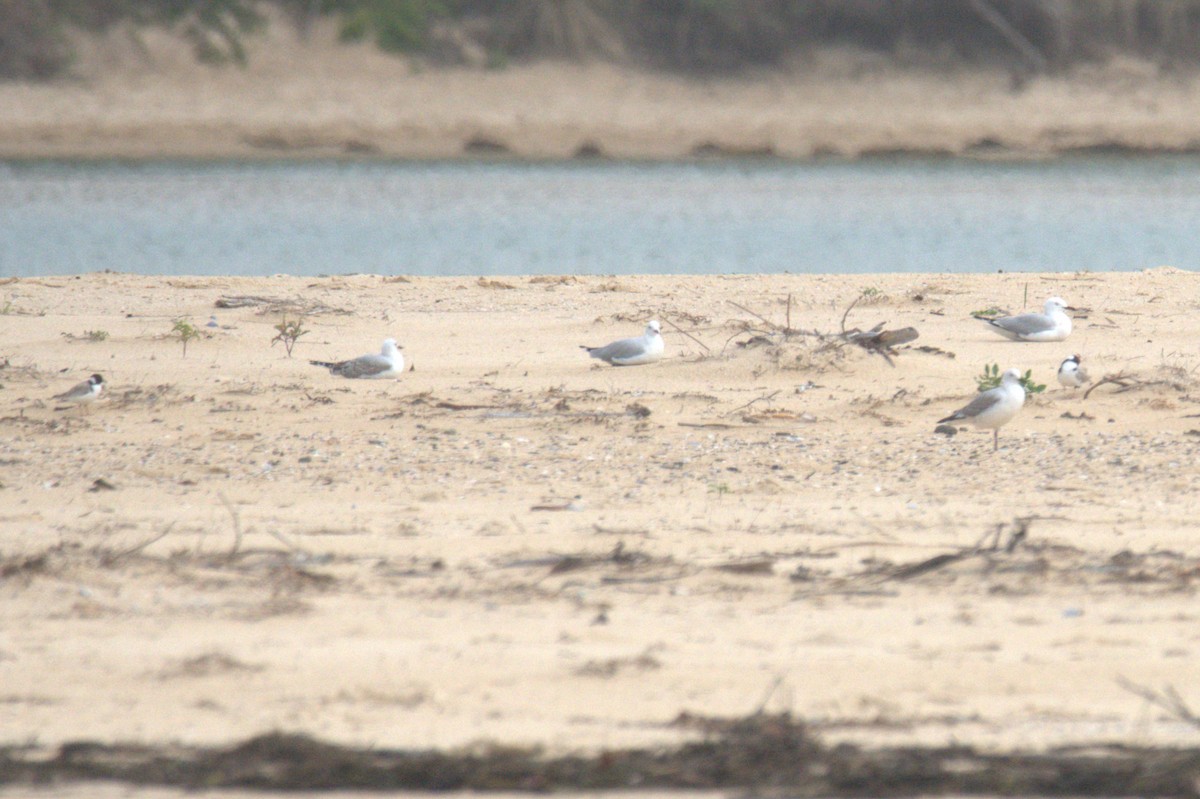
(7, 308)
(991, 378)
(185, 331)
(988, 313)
(720, 489)
(95, 335)
(288, 333)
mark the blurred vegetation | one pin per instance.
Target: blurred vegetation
(395, 25)
(34, 41)
(687, 35)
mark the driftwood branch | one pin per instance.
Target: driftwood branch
(877, 340)
(882, 342)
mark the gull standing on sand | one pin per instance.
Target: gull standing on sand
(1071, 374)
(1052, 324)
(646, 348)
(83, 393)
(388, 363)
(995, 407)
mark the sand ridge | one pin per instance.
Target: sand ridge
(512, 543)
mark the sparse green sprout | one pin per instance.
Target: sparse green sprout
(7, 308)
(720, 489)
(991, 378)
(1030, 386)
(289, 332)
(872, 293)
(185, 331)
(988, 313)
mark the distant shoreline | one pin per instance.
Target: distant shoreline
(320, 99)
(17, 153)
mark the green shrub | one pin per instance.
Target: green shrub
(991, 378)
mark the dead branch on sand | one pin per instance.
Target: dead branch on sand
(1127, 382)
(877, 340)
(276, 305)
(1020, 530)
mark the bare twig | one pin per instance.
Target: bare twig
(281, 538)
(759, 317)
(237, 525)
(763, 398)
(771, 689)
(849, 308)
(689, 335)
(1168, 700)
(929, 564)
(1120, 379)
(133, 550)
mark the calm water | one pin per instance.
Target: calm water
(598, 218)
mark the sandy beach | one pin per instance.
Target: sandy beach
(144, 96)
(514, 543)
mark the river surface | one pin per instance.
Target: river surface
(472, 218)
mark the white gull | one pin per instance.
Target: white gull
(1052, 324)
(646, 348)
(389, 362)
(994, 408)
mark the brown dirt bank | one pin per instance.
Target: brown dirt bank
(319, 98)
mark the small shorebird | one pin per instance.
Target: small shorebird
(1071, 374)
(83, 393)
(995, 407)
(389, 362)
(646, 348)
(1052, 324)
